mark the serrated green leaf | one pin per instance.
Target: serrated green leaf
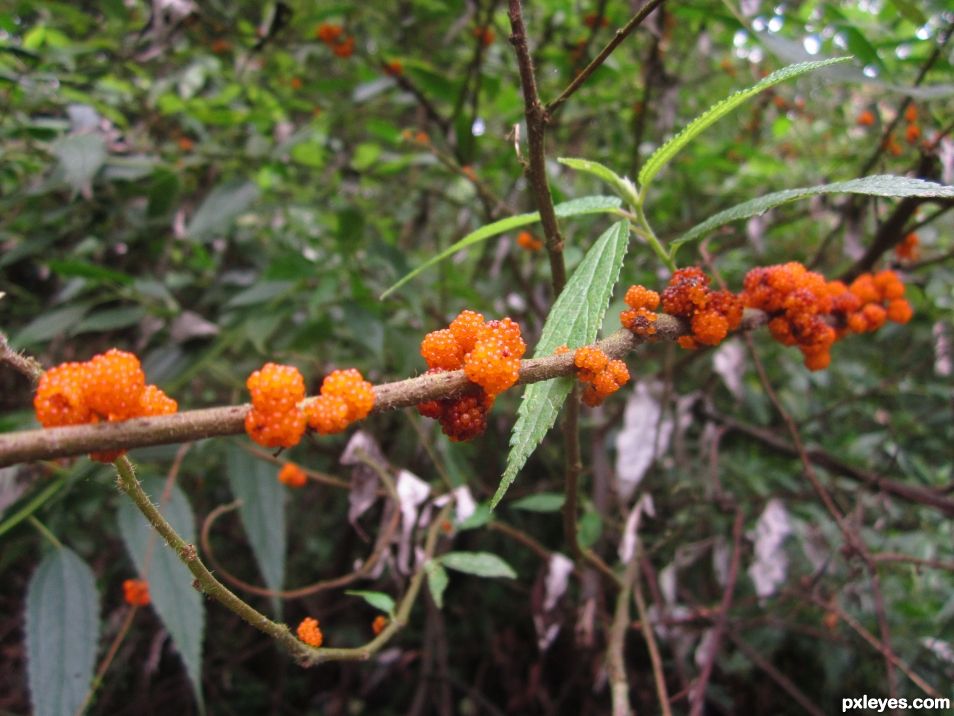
(62, 631)
(662, 156)
(878, 185)
(378, 600)
(480, 564)
(623, 186)
(436, 581)
(172, 595)
(574, 207)
(574, 320)
(254, 482)
(541, 502)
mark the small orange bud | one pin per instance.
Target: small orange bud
(328, 32)
(185, 144)
(484, 34)
(393, 68)
(292, 475)
(136, 592)
(220, 46)
(912, 133)
(527, 241)
(866, 118)
(295, 83)
(379, 623)
(911, 113)
(344, 48)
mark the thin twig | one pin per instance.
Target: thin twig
(616, 642)
(697, 696)
(659, 676)
(786, 684)
(621, 34)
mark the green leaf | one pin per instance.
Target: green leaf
(177, 603)
(589, 529)
(878, 185)
(574, 320)
(480, 564)
(623, 186)
(255, 483)
(109, 320)
(910, 11)
(481, 516)
(80, 156)
(541, 502)
(49, 325)
(216, 213)
(85, 269)
(662, 156)
(378, 600)
(62, 631)
(436, 581)
(261, 292)
(574, 207)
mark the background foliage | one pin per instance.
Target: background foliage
(214, 188)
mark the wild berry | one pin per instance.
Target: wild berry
(350, 386)
(136, 592)
(379, 624)
(61, 396)
(528, 242)
(309, 632)
(441, 349)
(908, 249)
(329, 33)
(114, 385)
(602, 377)
(327, 414)
(292, 475)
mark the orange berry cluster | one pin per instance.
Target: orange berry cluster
(809, 312)
(292, 475)
(109, 387)
(277, 420)
(711, 314)
(489, 352)
(640, 317)
(309, 632)
(866, 118)
(484, 34)
(602, 376)
(909, 248)
(136, 592)
(333, 36)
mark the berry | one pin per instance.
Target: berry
(590, 358)
(709, 327)
(276, 428)
(154, 402)
(912, 133)
(641, 297)
(292, 475)
(494, 362)
(899, 311)
(527, 241)
(61, 396)
(114, 385)
(465, 418)
(327, 414)
(344, 48)
(379, 623)
(350, 386)
(309, 632)
(441, 349)
(866, 118)
(328, 32)
(687, 289)
(908, 249)
(276, 387)
(394, 68)
(136, 592)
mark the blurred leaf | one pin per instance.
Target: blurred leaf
(261, 292)
(574, 320)
(878, 185)
(80, 156)
(216, 213)
(575, 207)
(541, 502)
(85, 269)
(480, 564)
(172, 595)
(589, 529)
(110, 320)
(255, 483)
(49, 325)
(436, 581)
(378, 600)
(163, 193)
(662, 156)
(62, 632)
(910, 11)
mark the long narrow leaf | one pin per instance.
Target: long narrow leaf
(878, 185)
(177, 603)
(574, 207)
(623, 186)
(574, 320)
(662, 156)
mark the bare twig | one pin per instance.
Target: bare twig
(786, 684)
(659, 676)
